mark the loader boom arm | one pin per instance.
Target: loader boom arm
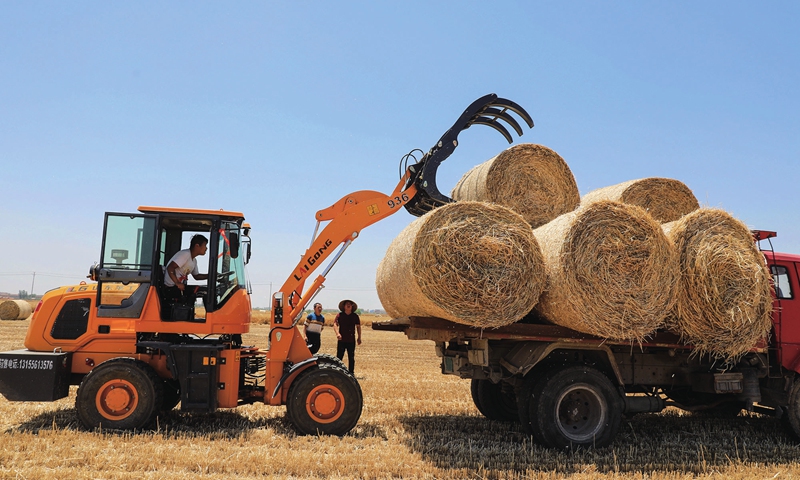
(347, 217)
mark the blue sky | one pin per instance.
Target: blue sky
(280, 109)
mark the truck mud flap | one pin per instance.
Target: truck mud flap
(34, 376)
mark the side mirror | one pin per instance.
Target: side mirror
(247, 253)
(93, 272)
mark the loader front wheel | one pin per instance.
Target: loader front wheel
(324, 399)
(330, 359)
(121, 393)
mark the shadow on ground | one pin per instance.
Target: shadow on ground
(646, 443)
(223, 424)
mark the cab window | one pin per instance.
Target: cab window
(780, 278)
(230, 265)
(126, 264)
(129, 242)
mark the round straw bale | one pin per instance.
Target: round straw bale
(473, 263)
(611, 271)
(532, 180)
(724, 299)
(15, 310)
(664, 199)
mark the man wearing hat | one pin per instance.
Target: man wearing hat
(345, 325)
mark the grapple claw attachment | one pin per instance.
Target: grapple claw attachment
(488, 110)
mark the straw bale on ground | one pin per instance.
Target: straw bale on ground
(664, 199)
(724, 300)
(611, 271)
(532, 180)
(15, 310)
(468, 262)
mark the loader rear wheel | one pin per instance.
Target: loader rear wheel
(496, 401)
(573, 407)
(324, 399)
(121, 393)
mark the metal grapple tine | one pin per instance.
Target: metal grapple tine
(492, 122)
(502, 114)
(488, 110)
(509, 105)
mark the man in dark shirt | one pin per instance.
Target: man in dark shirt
(345, 325)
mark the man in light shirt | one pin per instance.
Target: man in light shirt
(180, 266)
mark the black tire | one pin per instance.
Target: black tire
(791, 418)
(496, 401)
(172, 394)
(121, 393)
(330, 360)
(476, 398)
(324, 399)
(573, 407)
(524, 400)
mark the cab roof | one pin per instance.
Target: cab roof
(782, 257)
(192, 211)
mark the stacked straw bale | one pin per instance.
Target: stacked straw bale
(664, 199)
(532, 180)
(473, 263)
(15, 310)
(724, 299)
(611, 271)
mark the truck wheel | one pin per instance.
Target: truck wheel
(524, 401)
(496, 401)
(324, 399)
(574, 407)
(792, 417)
(121, 393)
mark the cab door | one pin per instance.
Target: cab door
(786, 312)
(125, 272)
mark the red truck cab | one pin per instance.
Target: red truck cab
(785, 270)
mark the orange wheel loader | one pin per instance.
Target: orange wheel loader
(135, 353)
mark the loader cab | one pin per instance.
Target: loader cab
(135, 251)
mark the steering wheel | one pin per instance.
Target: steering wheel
(224, 281)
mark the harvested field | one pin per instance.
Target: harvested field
(724, 299)
(416, 423)
(473, 263)
(611, 271)
(532, 180)
(664, 199)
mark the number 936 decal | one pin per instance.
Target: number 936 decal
(397, 201)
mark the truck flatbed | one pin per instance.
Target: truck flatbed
(440, 330)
